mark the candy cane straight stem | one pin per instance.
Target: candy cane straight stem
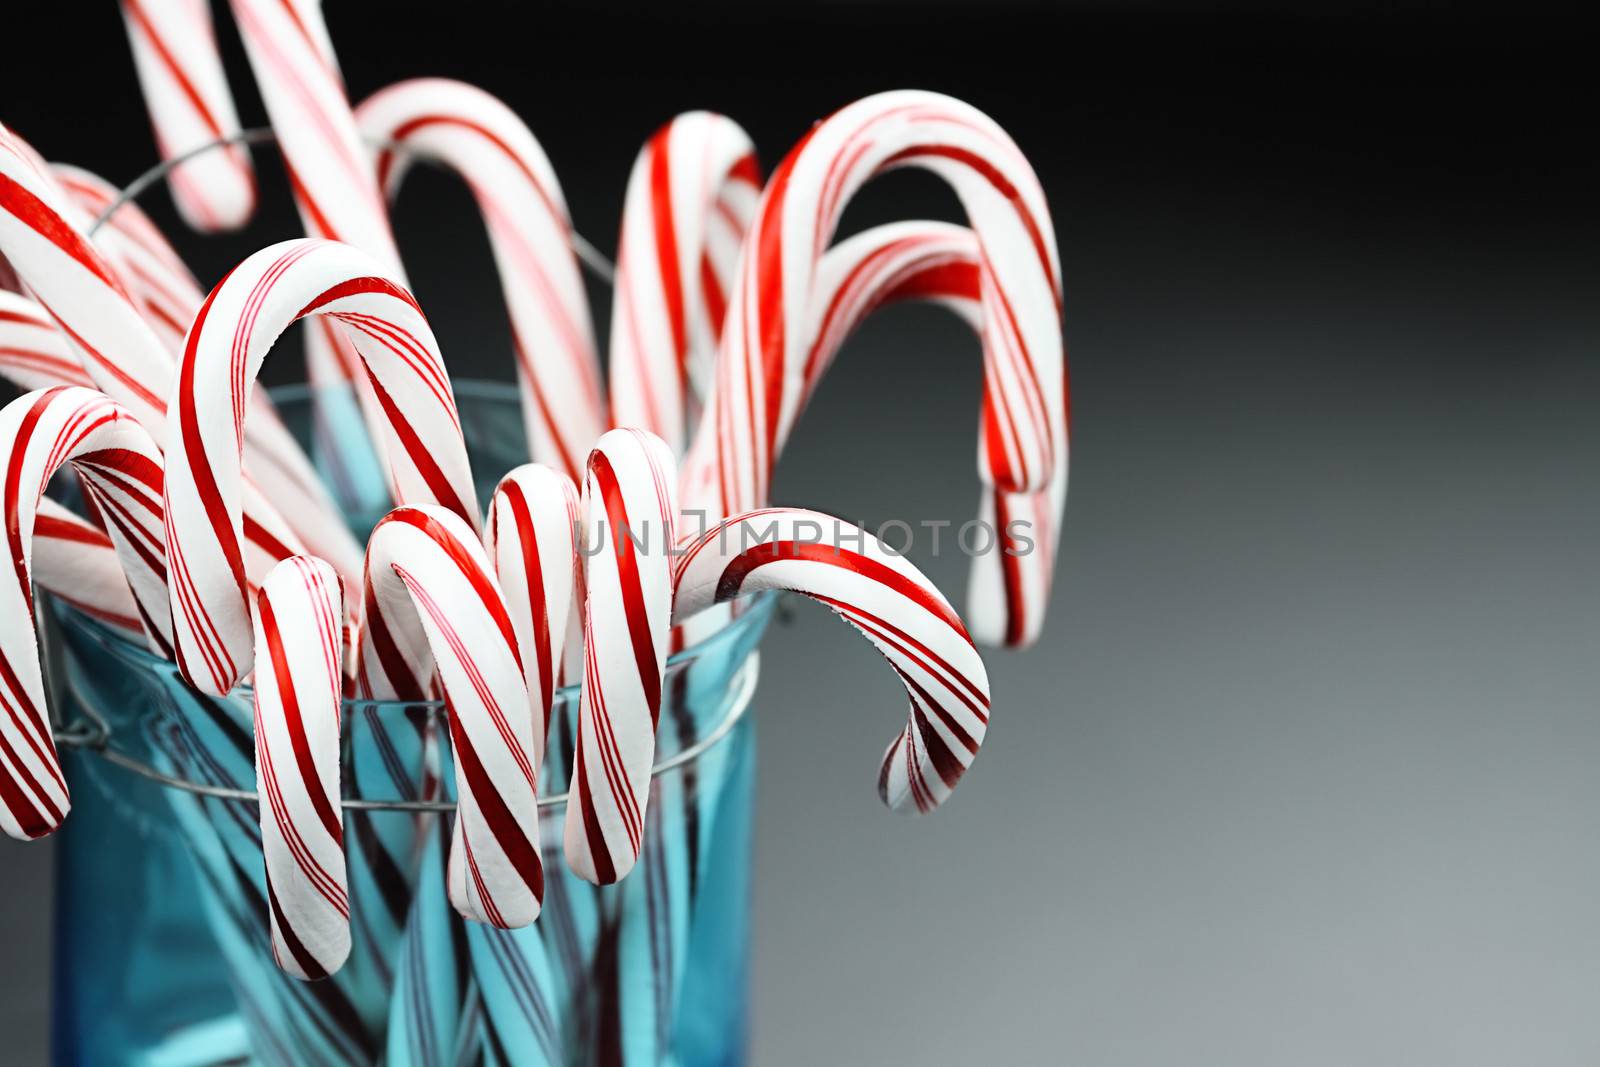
(186, 92)
(690, 198)
(629, 506)
(426, 563)
(237, 326)
(120, 470)
(330, 169)
(530, 233)
(299, 646)
(530, 538)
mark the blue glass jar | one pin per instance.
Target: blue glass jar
(162, 950)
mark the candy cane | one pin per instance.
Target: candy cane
(34, 354)
(426, 564)
(159, 282)
(69, 278)
(533, 522)
(885, 598)
(168, 296)
(1008, 589)
(79, 289)
(690, 198)
(300, 649)
(330, 170)
(629, 506)
(120, 470)
(236, 327)
(517, 193)
(73, 559)
(761, 381)
(186, 92)
(78, 564)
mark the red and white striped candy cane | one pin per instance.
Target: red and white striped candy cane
(1009, 588)
(149, 268)
(531, 539)
(72, 558)
(236, 327)
(761, 381)
(119, 468)
(79, 565)
(72, 281)
(691, 195)
(330, 169)
(168, 296)
(300, 650)
(629, 508)
(530, 234)
(34, 354)
(426, 565)
(80, 290)
(883, 596)
(186, 93)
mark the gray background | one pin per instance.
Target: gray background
(1302, 770)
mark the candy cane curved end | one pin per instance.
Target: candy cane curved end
(235, 329)
(1010, 581)
(889, 601)
(761, 385)
(426, 564)
(119, 468)
(299, 655)
(690, 198)
(515, 187)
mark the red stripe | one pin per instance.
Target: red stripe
(198, 463)
(528, 542)
(196, 101)
(1003, 185)
(739, 568)
(508, 833)
(666, 243)
(422, 458)
(289, 699)
(605, 872)
(47, 223)
(469, 567)
(56, 528)
(633, 605)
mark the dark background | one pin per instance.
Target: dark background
(1303, 769)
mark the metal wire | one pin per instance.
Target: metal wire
(590, 256)
(93, 734)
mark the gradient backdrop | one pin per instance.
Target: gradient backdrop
(1303, 771)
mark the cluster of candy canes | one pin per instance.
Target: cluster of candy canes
(531, 236)
(769, 342)
(222, 584)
